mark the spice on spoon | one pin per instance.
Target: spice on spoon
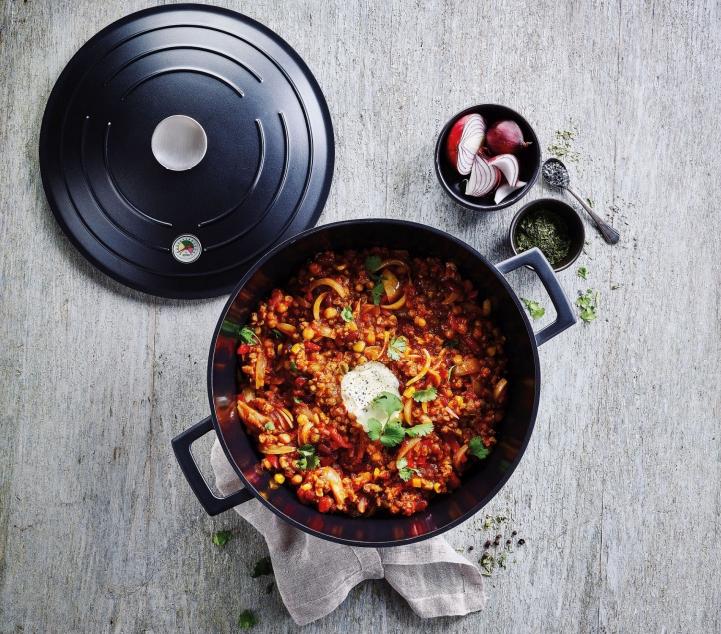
(547, 231)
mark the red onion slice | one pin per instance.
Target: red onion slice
(483, 177)
(471, 139)
(506, 190)
(508, 164)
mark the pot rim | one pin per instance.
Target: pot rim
(506, 474)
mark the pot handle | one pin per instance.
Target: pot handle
(565, 317)
(211, 503)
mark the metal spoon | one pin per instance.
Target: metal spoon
(556, 175)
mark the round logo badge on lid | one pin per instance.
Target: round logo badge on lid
(186, 248)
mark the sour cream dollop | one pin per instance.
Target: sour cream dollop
(361, 385)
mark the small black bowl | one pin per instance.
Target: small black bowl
(529, 159)
(566, 213)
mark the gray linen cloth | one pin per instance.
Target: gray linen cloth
(314, 576)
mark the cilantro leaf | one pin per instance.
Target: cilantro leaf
(388, 403)
(534, 308)
(375, 429)
(269, 426)
(478, 449)
(247, 619)
(247, 334)
(423, 396)
(221, 538)
(373, 263)
(588, 303)
(294, 367)
(346, 314)
(404, 471)
(262, 567)
(277, 334)
(582, 272)
(397, 347)
(377, 293)
(308, 459)
(393, 434)
(419, 430)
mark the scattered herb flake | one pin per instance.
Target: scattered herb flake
(501, 559)
(346, 314)
(590, 202)
(262, 567)
(534, 308)
(562, 146)
(582, 272)
(277, 334)
(247, 619)
(397, 347)
(269, 426)
(293, 367)
(451, 343)
(478, 449)
(221, 538)
(615, 286)
(297, 400)
(424, 396)
(487, 564)
(588, 304)
(247, 335)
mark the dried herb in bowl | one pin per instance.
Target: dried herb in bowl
(546, 230)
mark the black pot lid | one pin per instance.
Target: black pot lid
(182, 142)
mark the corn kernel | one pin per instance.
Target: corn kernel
(359, 346)
(302, 419)
(330, 312)
(295, 349)
(279, 478)
(437, 487)
(308, 333)
(409, 391)
(297, 479)
(416, 482)
(376, 472)
(420, 322)
(371, 338)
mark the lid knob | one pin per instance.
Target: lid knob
(179, 143)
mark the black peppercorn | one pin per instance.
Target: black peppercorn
(487, 544)
(521, 542)
(508, 542)
(514, 533)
